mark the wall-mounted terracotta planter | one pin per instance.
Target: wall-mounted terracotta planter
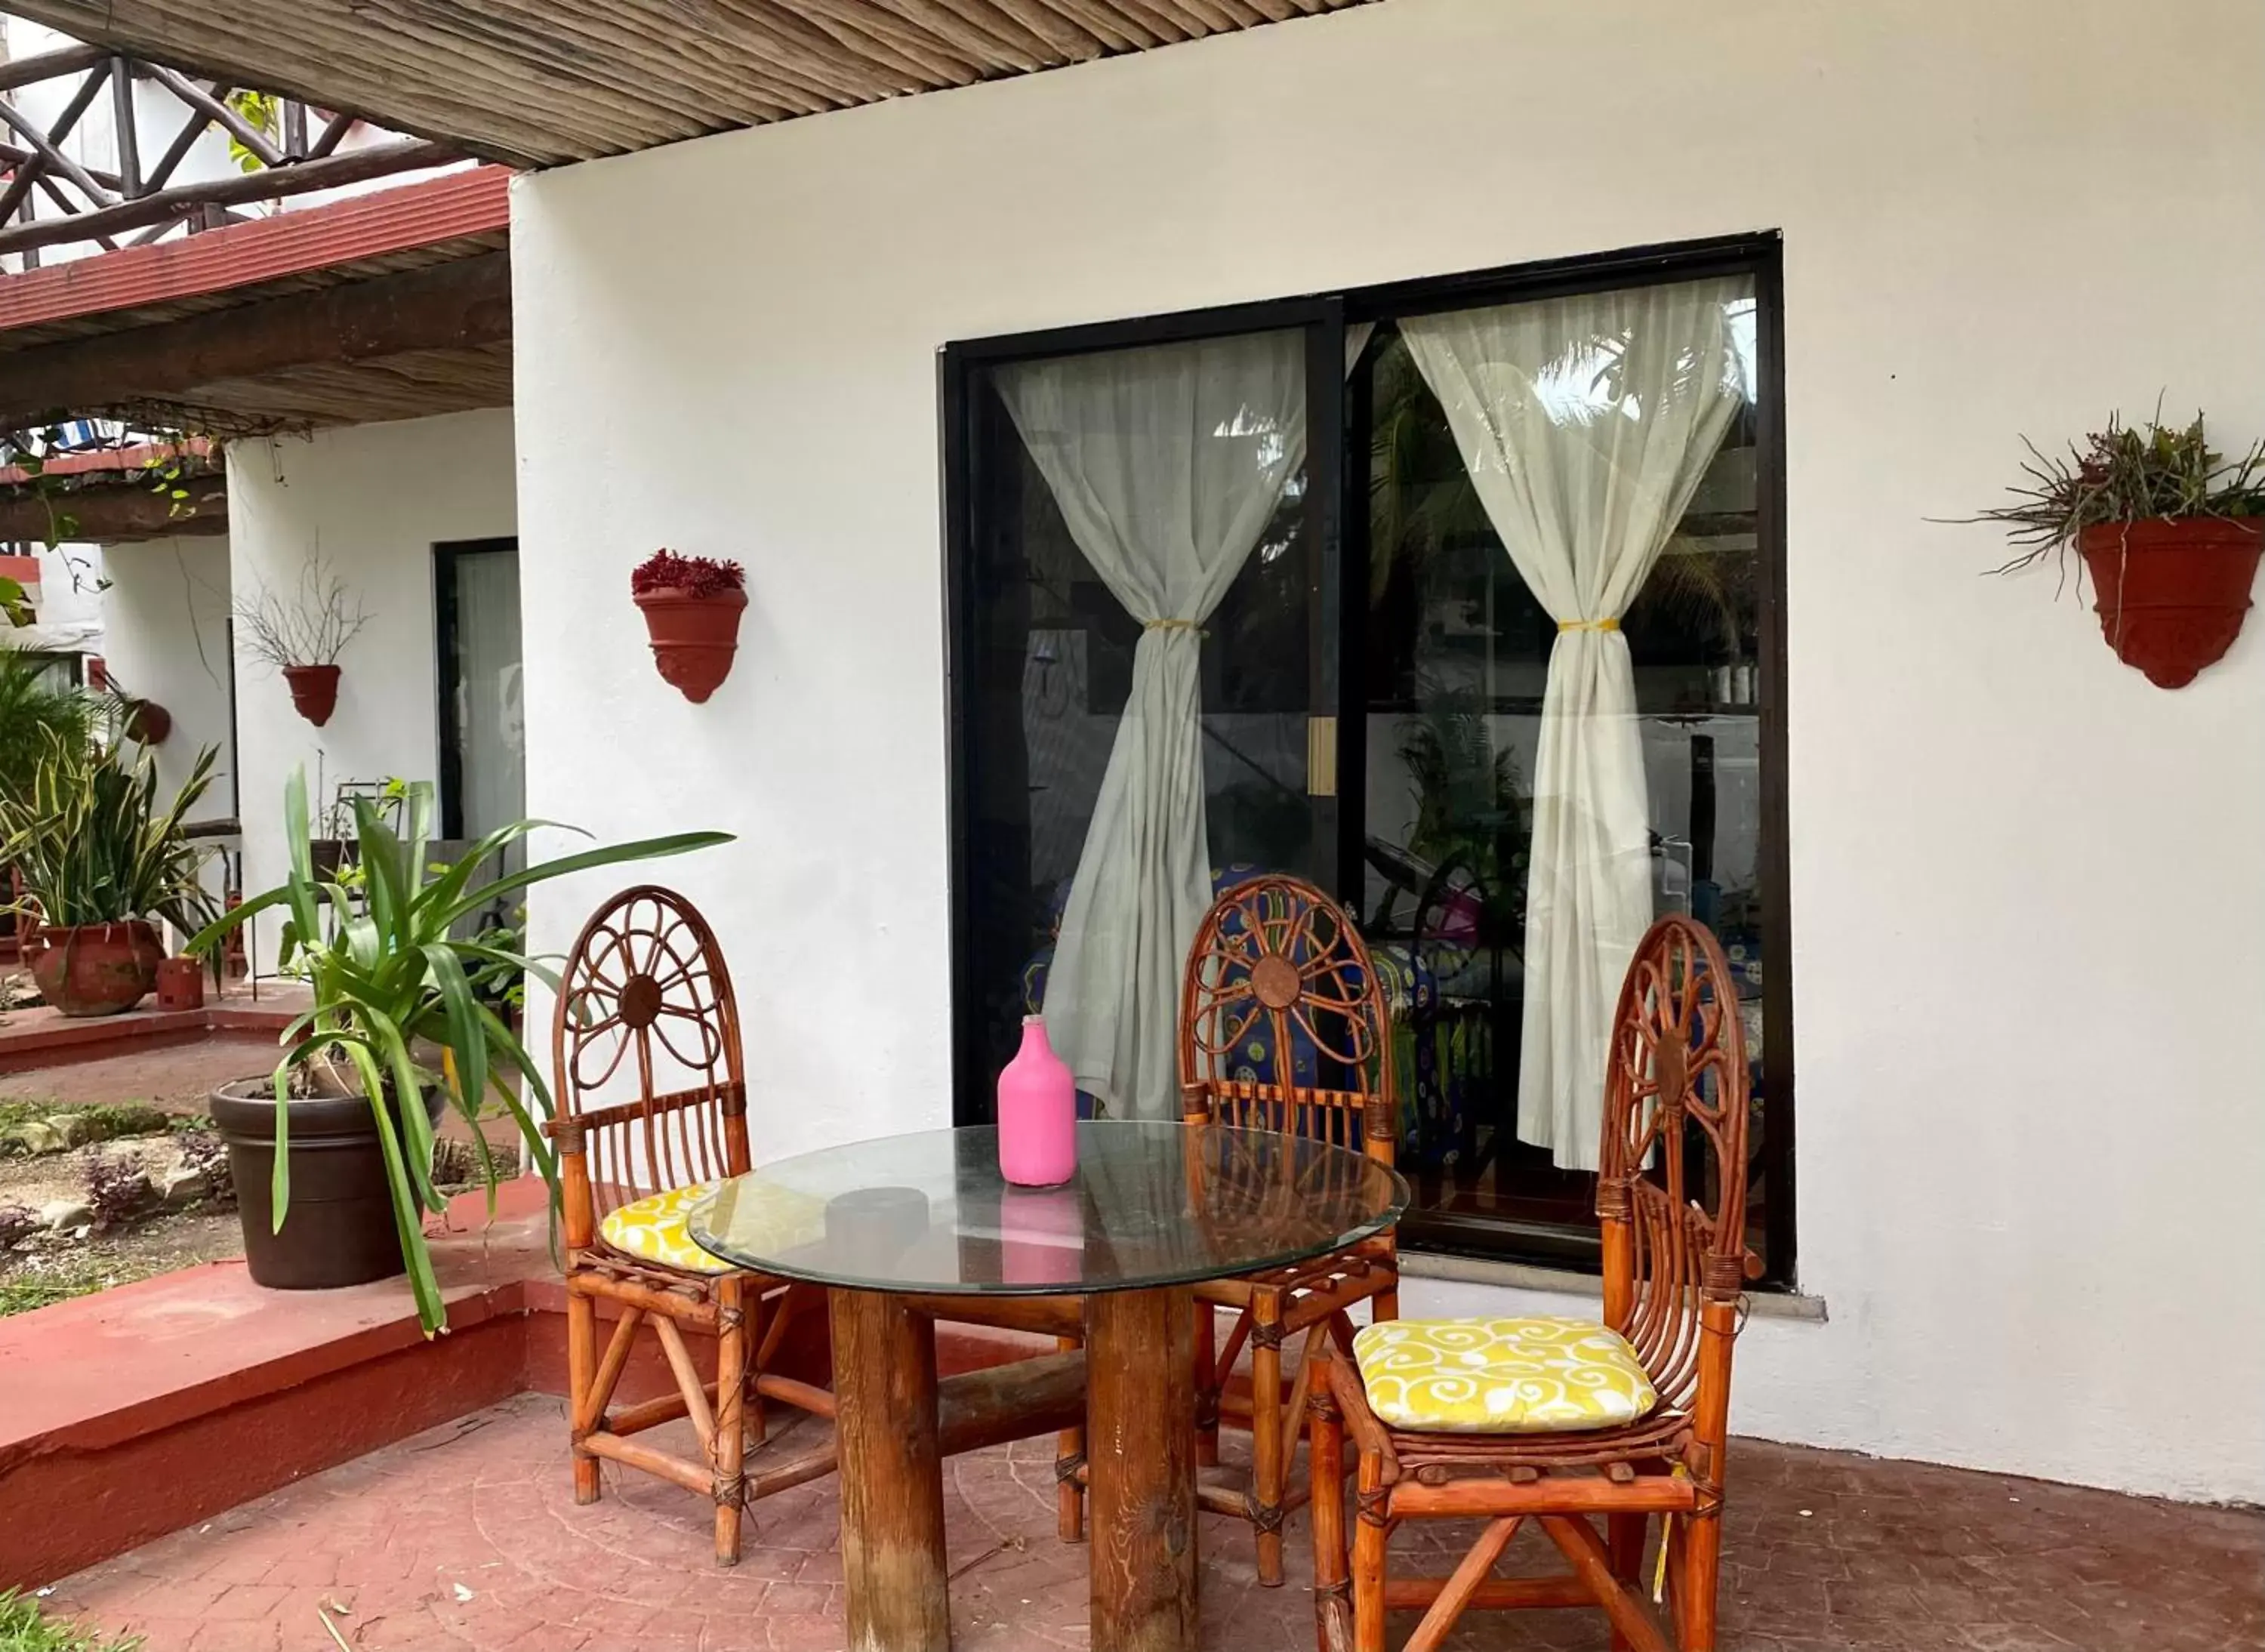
(314, 691)
(97, 969)
(2172, 595)
(694, 637)
(147, 721)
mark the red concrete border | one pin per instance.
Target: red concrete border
(141, 1410)
(473, 202)
(59, 1040)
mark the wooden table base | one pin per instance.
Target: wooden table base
(1140, 1442)
(891, 1474)
(1140, 1401)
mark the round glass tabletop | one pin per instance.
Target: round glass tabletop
(1151, 1204)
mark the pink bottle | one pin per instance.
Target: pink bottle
(1037, 1113)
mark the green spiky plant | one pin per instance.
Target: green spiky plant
(92, 845)
(33, 706)
(2127, 473)
(392, 977)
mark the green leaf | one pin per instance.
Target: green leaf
(643, 849)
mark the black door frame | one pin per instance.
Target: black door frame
(1339, 488)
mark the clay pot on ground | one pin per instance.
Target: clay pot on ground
(181, 984)
(339, 1228)
(95, 969)
(694, 637)
(314, 691)
(2172, 594)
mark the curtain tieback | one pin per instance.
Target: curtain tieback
(1172, 625)
(1588, 625)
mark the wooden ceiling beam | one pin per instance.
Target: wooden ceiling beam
(114, 512)
(449, 306)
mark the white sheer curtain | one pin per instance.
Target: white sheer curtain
(1586, 423)
(1167, 464)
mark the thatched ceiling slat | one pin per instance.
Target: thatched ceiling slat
(534, 82)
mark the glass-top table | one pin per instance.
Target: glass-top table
(1152, 1205)
(910, 1226)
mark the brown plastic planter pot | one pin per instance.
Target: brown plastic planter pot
(2172, 594)
(97, 969)
(339, 1228)
(314, 691)
(694, 637)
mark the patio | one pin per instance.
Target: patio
(467, 1536)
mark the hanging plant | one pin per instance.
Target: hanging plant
(692, 607)
(302, 635)
(2169, 531)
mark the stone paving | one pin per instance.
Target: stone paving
(468, 1537)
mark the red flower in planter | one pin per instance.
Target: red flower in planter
(692, 607)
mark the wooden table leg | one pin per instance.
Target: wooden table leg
(891, 1476)
(1140, 1401)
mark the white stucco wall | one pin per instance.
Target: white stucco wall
(375, 499)
(165, 638)
(2025, 881)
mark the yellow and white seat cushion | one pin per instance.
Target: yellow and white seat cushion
(655, 1230)
(1540, 1375)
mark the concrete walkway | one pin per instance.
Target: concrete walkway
(467, 1537)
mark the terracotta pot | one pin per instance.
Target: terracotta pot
(147, 721)
(339, 1229)
(97, 969)
(314, 691)
(181, 984)
(694, 637)
(2172, 594)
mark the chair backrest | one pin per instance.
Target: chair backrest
(1671, 1190)
(646, 1048)
(1282, 1021)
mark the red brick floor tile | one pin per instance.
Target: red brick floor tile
(467, 1540)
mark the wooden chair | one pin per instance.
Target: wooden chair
(1283, 1026)
(652, 1096)
(1672, 1197)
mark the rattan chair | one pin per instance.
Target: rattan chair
(652, 1099)
(1671, 1197)
(1283, 1026)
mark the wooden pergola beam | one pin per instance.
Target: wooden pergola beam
(114, 512)
(449, 306)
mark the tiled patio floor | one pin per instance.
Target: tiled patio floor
(467, 1538)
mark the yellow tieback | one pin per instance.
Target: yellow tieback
(1588, 625)
(1171, 625)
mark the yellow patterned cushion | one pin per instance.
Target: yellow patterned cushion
(1530, 1375)
(655, 1230)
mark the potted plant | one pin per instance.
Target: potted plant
(2168, 530)
(98, 859)
(302, 635)
(408, 1018)
(692, 607)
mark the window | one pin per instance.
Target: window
(1459, 598)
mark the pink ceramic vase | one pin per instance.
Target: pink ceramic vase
(1037, 1113)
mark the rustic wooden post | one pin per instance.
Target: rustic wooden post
(729, 1452)
(892, 1475)
(1141, 1404)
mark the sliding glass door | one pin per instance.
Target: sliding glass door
(1458, 599)
(1145, 649)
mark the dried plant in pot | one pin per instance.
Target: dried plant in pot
(411, 1016)
(302, 633)
(2169, 531)
(98, 859)
(692, 607)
